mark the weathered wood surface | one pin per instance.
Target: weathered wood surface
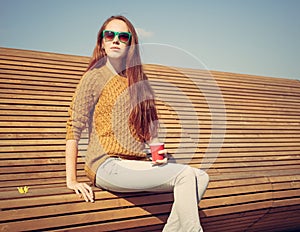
(254, 176)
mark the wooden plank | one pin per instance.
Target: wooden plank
(33, 88)
(39, 182)
(24, 95)
(38, 69)
(74, 207)
(89, 217)
(237, 209)
(49, 195)
(34, 75)
(223, 82)
(133, 225)
(15, 77)
(236, 200)
(42, 55)
(13, 60)
(43, 83)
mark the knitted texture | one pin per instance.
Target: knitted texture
(111, 121)
(101, 103)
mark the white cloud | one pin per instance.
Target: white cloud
(142, 33)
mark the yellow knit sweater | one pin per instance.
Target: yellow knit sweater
(101, 103)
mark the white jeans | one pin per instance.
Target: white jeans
(187, 183)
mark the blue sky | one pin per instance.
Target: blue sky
(260, 37)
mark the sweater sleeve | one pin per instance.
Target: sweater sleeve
(83, 103)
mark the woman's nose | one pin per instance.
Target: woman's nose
(116, 40)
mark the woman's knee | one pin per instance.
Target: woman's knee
(202, 176)
(186, 174)
(189, 171)
(194, 173)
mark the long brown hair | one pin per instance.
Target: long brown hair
(143, 116)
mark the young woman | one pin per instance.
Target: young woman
(116, 103)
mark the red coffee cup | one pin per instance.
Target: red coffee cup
(155, 148)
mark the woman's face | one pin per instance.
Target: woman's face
(115, 49)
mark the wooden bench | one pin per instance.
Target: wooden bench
(255, 178)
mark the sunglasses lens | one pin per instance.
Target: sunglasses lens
(109, 35)
(124, 37)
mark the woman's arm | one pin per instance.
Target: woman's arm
(83, 189)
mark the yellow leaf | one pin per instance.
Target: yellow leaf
(23, 190)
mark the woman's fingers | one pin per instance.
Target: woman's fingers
(90, 193)
(163, 152)
(85, 191)
(163, 161)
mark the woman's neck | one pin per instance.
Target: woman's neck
(115, 66)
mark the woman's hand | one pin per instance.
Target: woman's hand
(163, 161)
(83, 190)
